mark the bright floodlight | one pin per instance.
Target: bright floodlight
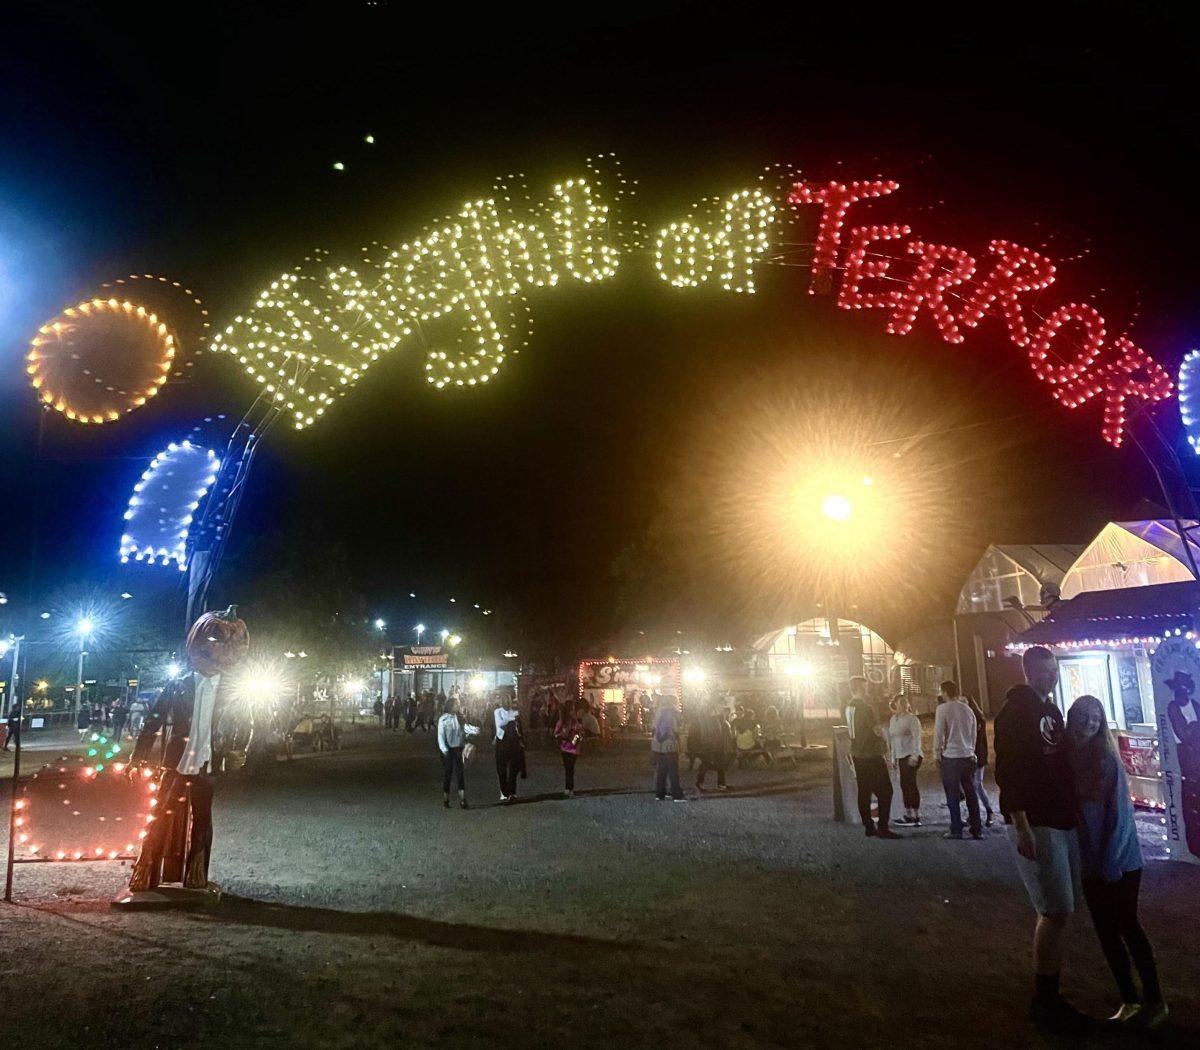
(84, 626)
(173, 670)
(454, 639)
(801, 669)
(380, 625)
(837, 507)
(478, 683)
(4, 647)
(352, 686)
(444, 633)
(695, 675)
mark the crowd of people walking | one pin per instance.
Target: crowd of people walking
(1063, 796)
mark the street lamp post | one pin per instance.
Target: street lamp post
(13, 696)
(84, 628)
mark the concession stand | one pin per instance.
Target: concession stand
(620, 692)
(1105, 641)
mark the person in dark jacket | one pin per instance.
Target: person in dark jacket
(981, 759)
(664, 747)
(1038, 805)
(1111, 862)
(868, 746)
(14, 725)
(712, 740)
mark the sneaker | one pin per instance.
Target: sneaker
(1057, 1015)
(887, 833)
(1127, 1013)
(951, 835)
(681, 798)
(503, 798)
(660, 798)
(989, 822)
(722, 787)
(462, 804)
(1152, 1016)
(906, 821)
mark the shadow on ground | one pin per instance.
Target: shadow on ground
(242, 911)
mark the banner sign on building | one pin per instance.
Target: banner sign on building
(425, 656)
(1176, 669)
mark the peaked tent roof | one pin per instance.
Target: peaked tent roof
(1132, 554)
(1045, 562)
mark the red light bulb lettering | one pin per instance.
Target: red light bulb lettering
(835, 199)
(941, 267)
(1018, 270)
(857, 268)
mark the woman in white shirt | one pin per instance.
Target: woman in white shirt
(510, 747)
(452, 735)
(904, 736)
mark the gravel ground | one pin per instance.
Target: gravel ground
(358, 912)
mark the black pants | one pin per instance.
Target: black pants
(569, 769)
(508, 765)
(908, 783)
(707, 762)
(1114, 909)
(873, 779)
(666, 767)
(452, 765)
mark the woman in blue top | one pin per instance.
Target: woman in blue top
(1111, 860)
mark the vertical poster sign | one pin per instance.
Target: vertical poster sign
(1176, 669)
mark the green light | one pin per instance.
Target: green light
(117, 748)
(91, 752)
(108, 754)
(99, 767)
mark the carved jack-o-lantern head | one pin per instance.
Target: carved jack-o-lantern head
(217, 642)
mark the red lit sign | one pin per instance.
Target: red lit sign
(1069, 349)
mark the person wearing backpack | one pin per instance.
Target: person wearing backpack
(664, 747)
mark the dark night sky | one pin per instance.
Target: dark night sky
(203, 148)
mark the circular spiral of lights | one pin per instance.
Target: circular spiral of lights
(100, 359)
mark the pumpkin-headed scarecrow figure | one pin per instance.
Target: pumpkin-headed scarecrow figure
(187, 715)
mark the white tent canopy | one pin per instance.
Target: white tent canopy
(1132, 554)
(1014, 571)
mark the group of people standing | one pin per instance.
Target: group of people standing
(1065, 800)
(883, 742)
(116, 719)
(455, 744)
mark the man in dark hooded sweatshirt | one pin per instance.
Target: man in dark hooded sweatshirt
(1037, 803)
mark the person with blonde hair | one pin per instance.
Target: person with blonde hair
(1111, 861)
(904, 740)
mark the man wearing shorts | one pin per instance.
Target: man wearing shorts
(1038, 806)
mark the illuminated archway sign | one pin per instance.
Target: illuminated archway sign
(460, 287)
(314, 332)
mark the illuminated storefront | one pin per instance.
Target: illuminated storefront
(1104, 641)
